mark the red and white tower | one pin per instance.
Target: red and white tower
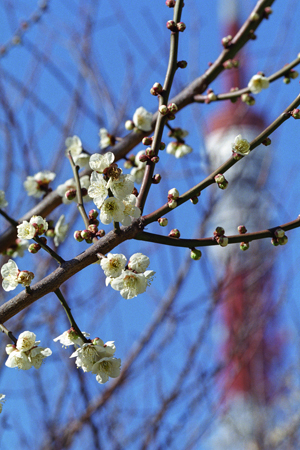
(245, 293)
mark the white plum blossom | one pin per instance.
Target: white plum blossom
(105, 368)
(74, 145)
(257, 83)
(82, 160)
(70, 184)
(26, 230)
(241, 146)
(130, 210)
(26, 352)
(9, 272)
(98, 190)
(25, 277)
(100, 162)
(129, 284)
(112, 209)
(142, 119)
(70, 337)
(60, 230)
(106, 139)
(37, 185)
(3, 202)
(113, 264)
(40, 224)
(2, 400)
(137, 173)
(178, 149)
(121, 187)
(138, 262)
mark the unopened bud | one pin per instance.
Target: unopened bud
(194, 200)
(50, 232)
(172, 107)
(93, 228)
(162, 146)
(254, 17)
(86, 234)
(93, 214)
(147, 140)
(127, 164)
(293, 74)
(173, 194)
(242, 229)
(267, 11)
(219, 231)
(174, 233)
(70, 194)
(172, 204)
(248, 99)
(34, 248)
(219, 178)
(155, 159)
(223, 185)
(143, 158)
(149, 152)
(212, 97)
(226, 41)
(156, 89)
(156, 179)
(129, 125)
(182, 64)
(196, 254)
(296, 113)
(171, 25)
(170, 3)
(228, 64)
(163, 221)
(77, 236)
(94, 222)
(266, 141)
(163, 109)
(244, 246)
(181, 26)
(236, 156)
(279, 233)
(286, 80)
(25, 277)
(283, 240)
(100, 233)
(222, 241)
(274, 242)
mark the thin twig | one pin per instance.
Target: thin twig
(80, 205)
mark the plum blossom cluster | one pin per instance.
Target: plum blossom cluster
(35, 227)
(38, 184)
(12, 276)
(26, 353)
(219, 236)
(107, 180)
(141, 120)
(131, 279)
(93, 356)
(74, 146)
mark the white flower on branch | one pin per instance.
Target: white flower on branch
(112, 209)
(129, 284)
(26, 230)
(138, 262)
(257, 83)
(130, 211)
(40, 224)
(142, 119)
(70, 184)
(178, 149)
(113, 264)
(70, 337)
(74, 145)
(121, 187)
(241, 146)
(25, 277)
(82, 160)
(3, 202)
(26, 352)
(37, 185)
(106, 139)
(98, 189)
(105, 368)
(100, 162)
(60, 230)
(2, 400)
(9, 272)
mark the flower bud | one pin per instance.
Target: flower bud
(194, 200)
(129, 125)
(147, 140)
(267, 11)
(128, 165)
(156, 89)
(223, 185)
(25, 277)
(94, 222)
(171, 116)
(100, 233)
(174, 233)
(279, 233)
(86, 234)
(248, 99)
(70, 194)
(222, 241)
(172, 204)
(266, 142)
(34, 248)
(162, 146)
(182, 64)
(163, 221)
(149, 152)
(219, 178)
(93, 228)
(244, 246)
(156, 179)
(296, 113)
(171, 25)
(155, 159)
(93, 214)
(212, 97)
(143, 158)
(283, 240)
(163, 109)
(170, 3)
(173, 194)
(219, 231)
(181, 26)
(77, 236)
(226, 41)
(274, 242)
(50, 232)
(242, 229)
(293, 74)
(286, 80)
(196, 254)
(228, 64)
(254, 17)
